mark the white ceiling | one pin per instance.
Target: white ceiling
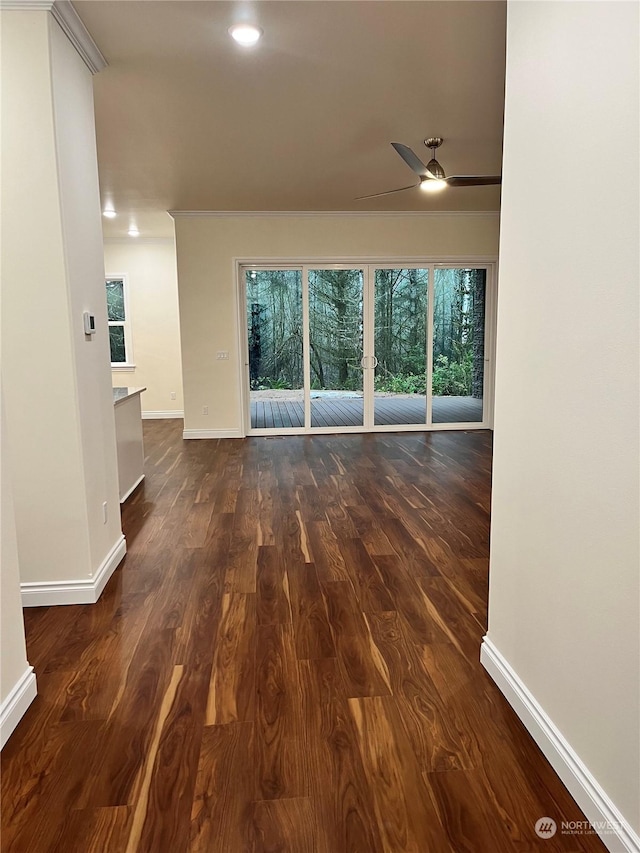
(188, 120)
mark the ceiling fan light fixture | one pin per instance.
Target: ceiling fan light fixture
(432, 185)
(245, 34)
(432, 176)
(436, 169)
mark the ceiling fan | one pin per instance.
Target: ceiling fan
(432, 176)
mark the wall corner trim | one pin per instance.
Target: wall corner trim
(212, 433)
(83, 591)
(15, 705)
(70, 23)
(578, 780)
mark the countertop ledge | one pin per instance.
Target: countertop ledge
(121, 394)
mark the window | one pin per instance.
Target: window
(119, 339)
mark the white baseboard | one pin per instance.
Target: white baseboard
(172, 413)
(82, 591)
(132, 489)
(212, 433)
(15, 705)
(617, 834)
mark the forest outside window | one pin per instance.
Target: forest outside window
(117, 315)
(338, 347)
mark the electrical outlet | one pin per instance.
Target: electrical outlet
(205, 410)
(173, 395)
(104, 512)
(222, 355)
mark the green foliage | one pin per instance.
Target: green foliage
(267, 383)
(452, 378)
(274, 329)
(115, 299)
(117, 344)
(412, 383)
(336, 329)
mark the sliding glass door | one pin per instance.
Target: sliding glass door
(275, 350)
(345, 348)
(401, 299)
(458, 369)
(336, 347)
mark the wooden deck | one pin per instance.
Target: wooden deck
(348, 411)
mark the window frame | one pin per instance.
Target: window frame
(128, 365)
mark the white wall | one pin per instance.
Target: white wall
(563, 598)
(57, 382)
(72, 89)
(34, 299)
(17, 682)
(208, 245)
(152, 284)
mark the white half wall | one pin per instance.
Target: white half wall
(564, 573)
(208, 246)
(152, 302)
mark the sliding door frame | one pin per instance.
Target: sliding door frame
(490, 316)
(368, 265)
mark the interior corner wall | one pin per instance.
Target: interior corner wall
(152, 303)
(57, 385)
(564, 569)
(207, 247)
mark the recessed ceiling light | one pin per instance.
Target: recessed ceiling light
(109, 212)
(245, 34)
(432, 185)
(133, 232)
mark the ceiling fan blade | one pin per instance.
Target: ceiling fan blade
(473, 180)
(388, 192)
(411, 159)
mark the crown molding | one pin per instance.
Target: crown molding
(79, 36)
(139, 241)
(70, 23)
(23, 5)
(302, 213)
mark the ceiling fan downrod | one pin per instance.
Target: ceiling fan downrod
(433, 143)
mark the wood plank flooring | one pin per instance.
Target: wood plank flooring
(287, 660)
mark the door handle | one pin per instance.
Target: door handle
(364, 366)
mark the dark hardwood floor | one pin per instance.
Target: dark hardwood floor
(287, 660)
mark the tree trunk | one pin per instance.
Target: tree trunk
(478, 295)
